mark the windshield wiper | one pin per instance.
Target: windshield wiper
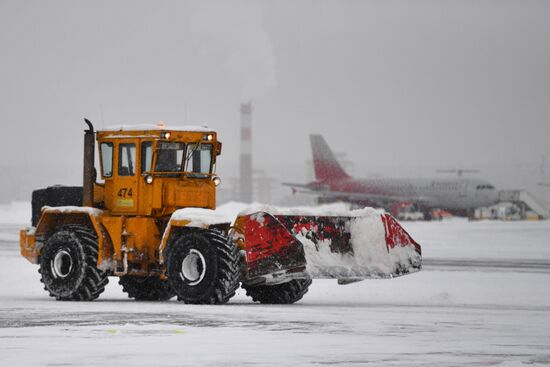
(190, 154)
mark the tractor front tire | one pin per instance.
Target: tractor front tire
(146, 288)
(285, 293)
(203, 267)
(68, 265)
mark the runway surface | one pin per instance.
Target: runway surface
(458, 311)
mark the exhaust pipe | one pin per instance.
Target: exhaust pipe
(89, 157)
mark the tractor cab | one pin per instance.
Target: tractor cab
(155, 170)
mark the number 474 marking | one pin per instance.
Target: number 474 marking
(125, 192)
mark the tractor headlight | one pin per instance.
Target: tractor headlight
(217, 180)
(208, 137)
(148, 179)
(165, 135)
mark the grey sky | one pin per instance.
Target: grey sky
(403, 87)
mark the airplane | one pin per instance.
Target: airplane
(460, 196)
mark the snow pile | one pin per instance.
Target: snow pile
(233, 208)
(73, 209)
(15, 213)
(158, 127)
(370, 257)
(369, 244)
(198, 217)
(328, 210)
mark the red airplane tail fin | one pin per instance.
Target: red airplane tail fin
(325, 163)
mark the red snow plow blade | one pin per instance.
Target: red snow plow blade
(365, 245)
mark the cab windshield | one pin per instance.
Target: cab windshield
(199, 160)
(195, 160)
(169, 157)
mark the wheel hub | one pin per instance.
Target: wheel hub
(193, 268)
(62, 264)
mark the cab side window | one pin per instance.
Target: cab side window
(107, 159)
(126, 159)
(146, 156)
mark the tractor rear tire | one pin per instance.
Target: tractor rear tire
(146, 288)
(285, 293)
(203, 267)
(68, 265)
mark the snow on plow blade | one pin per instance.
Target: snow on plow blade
(363, 244)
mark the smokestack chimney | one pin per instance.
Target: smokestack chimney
(89, 156)
(246, 153)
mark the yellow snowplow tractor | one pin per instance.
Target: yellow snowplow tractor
(146, 216)
(80, 236)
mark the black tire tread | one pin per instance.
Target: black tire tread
(146, 288)
(228, 276)
(95, 280)
(285, 293)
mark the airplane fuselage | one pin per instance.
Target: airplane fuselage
(458, 195)
(452, 194)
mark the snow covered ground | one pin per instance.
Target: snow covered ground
(482, 299)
